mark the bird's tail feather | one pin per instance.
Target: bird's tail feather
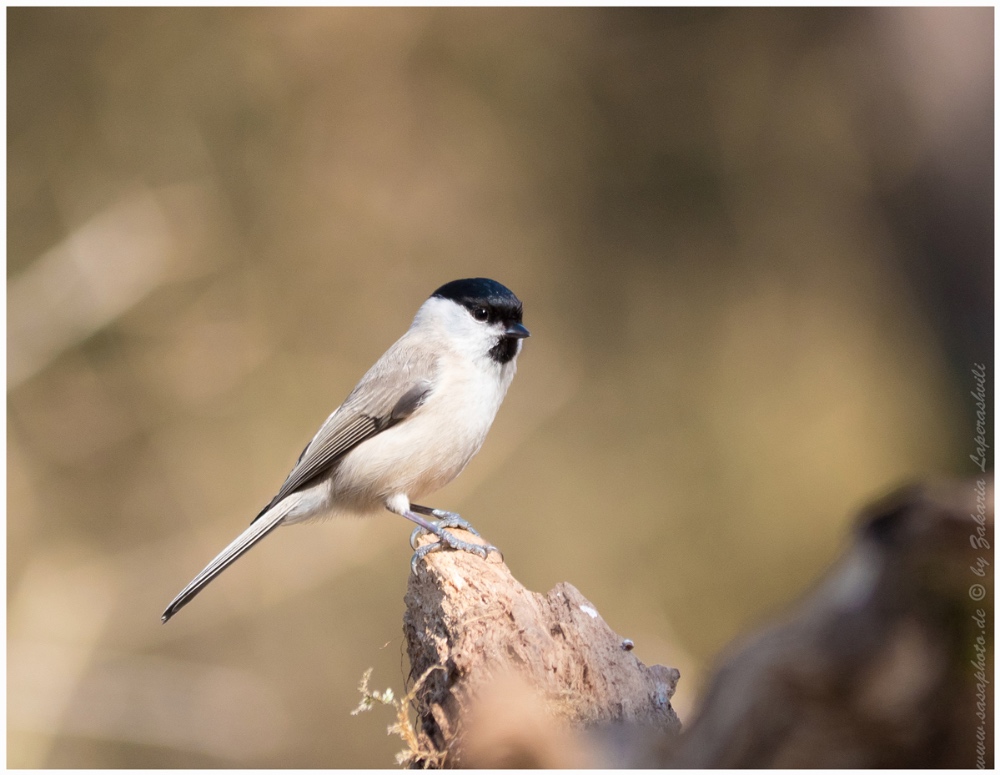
(257, 530)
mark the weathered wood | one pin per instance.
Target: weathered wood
(495, 638)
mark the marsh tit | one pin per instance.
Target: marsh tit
(408, 428)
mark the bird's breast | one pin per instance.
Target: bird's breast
(431, 447)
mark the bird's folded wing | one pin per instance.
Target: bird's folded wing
(383, 398)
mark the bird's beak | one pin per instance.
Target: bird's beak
(517, 331)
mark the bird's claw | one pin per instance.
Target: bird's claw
(449, 541)
(445, 519)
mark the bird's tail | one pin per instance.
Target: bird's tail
(257, 530)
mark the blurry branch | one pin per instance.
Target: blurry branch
(886, 663)
(102, 270)
(84, 283)
(876, 666)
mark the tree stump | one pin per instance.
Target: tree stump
(480, 642)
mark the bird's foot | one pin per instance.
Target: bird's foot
(443, 519)
(447, 540)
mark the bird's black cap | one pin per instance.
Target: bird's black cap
(483, 292)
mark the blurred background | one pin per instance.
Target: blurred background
(755, 250)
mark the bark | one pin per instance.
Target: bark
(494, 644)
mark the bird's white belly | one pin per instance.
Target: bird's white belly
(414, 458)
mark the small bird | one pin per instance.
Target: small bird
(410, 426)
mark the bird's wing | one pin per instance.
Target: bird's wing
(392, 390)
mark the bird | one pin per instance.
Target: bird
(410, 426)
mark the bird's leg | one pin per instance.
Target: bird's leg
(442, 519)
(446, 540)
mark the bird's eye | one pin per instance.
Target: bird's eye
(481, 314)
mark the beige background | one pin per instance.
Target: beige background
(726, 230)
